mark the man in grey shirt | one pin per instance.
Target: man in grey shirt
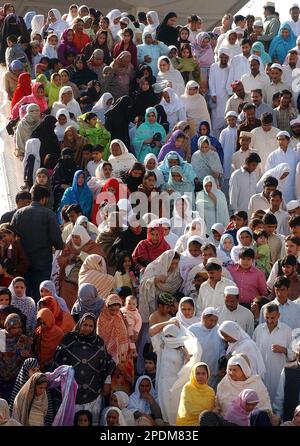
(39, 232)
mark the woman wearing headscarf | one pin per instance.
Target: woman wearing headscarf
(205, 161)
(42, 178)
(225, 246)
(241, 408)
(174, 159)
(245, 240)
(5, 418)
(174, 144)
(24, 303)
(186, 313)
(296, 418)
(191, 257)
(120, 159)
(279, 172)
(114, 21)
(55, 23)
(204, 54)
(35, 97)
(120, 400)
(63, 115)
(150, 50)
(166, 31)
(81, 75)
(173, 107)
(134, 177)
(54, 88)
(25, 128)
(114, 417)
(177, 182)
(66, 100)
(92, 230)
(12, 25)
(126, 44)
(282, 43)
(49, 141)
(11, 77)
(238, 378)
(37, 24)
(149, 136)
(143, 401)
(153, 22)
(93, 271)
(88, 301)
(66, 44)
(27, 19)
(63, 319)
(17, 349)
(204, 130)
(112, 329)
(182, 214)
(78, 193)
(151, 165)
(148, 250)
(213, 347)
(258, 49)
(75, 142)
(240, 342)
(47, 288)
(123, 71)
(211, 204)
(231, 44)
(144, 97)
(177, 351)
(160, 276)
(102, 106)
(31, 403)
(195, 105)
(107, 240)
(117, 119)
(168, 76)
(196, 396)
(23, 89)
(101, 42)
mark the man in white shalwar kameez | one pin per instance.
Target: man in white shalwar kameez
(227, 140)
(273, 338)
(218, 75)
(232, 311)
(239, 65)
(264, 138)
(284, 154)
(256, 79)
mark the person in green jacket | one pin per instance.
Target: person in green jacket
(91, 128)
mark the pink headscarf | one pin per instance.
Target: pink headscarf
(204, 56)
(30, 99)
(237, 411)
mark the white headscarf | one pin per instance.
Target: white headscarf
(187, 261)
(101, 106)
(136, 403)
(60, 129)
(233, 50)
(155, 19)
(186, 322)
(112, 15)
(275, 172)
(50, 50)
(158, 173)
(239, 360)
(60, 25)
(32, 147)
(37, 24)
(84, 236)
(175, 103)
(122, 422)
(171, 75)
(69, 18)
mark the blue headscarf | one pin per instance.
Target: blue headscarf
(186, 168)
(279, 47)
(78, 195)
(16, 65)
(28, 18)
(221, 246)
(258, 46)
(213, 140)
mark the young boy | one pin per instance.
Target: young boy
(97, 159)
(164, 304)
(13, 51)
(262, 252)
(274, 240)
(87, 151)
(150, 360)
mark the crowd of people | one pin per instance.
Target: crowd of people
(150, 272)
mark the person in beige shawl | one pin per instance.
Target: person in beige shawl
(93, 271)
(5, 418)
(106, 240)
(31, 403)
(239, 377)
(78, 246)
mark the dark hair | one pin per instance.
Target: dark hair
(39, 192)
(209, 246)
(282, 281)
(266, 118)
(253, 158)
(74, 208)
(249, 106)
(106, 19)
(176, 255)
(23, 195)
(269, 219)
(260, 301)
(87, 148)
(121, 258)
(124, 291)
(64, 213)
(255, 222)
(149, 174)
(50, 160)
(213, 267)
(276, 193)
(170, 15)
(12, 38)
(258, 234)
(289, 260)
(98, 148)
(293, 239)
(271, 307)
(186, 46)
(89, 116)
(238, 18)
(271, 9)
(276, 96)
(287, 92)
(8, 265)
(241, 214)
(5, 291)
(165, 59)
(128, 31)
(83, 412)
(142, 16)
(245, 41)
(270, 182)
(247, 253)
(45, 59)
(18, 279)
(81, 58)
(151, 356)
(294, 221)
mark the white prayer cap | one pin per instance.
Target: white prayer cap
(215, 261)
(223, 50)
(268, 4)
(165, 221)
(231, 113)
(254, 57)
(258, 23)
(276, 65)
(231, 290)
(283, 133)
(295, 121)
(293, 204)
(245, 135)
(294, 5)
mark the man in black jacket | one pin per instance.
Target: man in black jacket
(39, 232)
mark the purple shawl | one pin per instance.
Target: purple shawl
(65, 46)
(204, 56)
(170, 146)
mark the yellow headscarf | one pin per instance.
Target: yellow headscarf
(194, 399)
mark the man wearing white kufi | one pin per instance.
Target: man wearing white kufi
(240, 342)
(288, 390)
(232, 311)
(239, 65)
(255, 79)
(218, 76)
(273, 338)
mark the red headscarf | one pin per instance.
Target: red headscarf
(112, 182)
(23, 88)
(146, 250)
(62, 319)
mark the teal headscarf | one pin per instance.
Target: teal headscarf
(279, 47)
(186, 168)
(145, 131)
(184, 185)
(258, 46)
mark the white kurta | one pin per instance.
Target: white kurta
(264, 143)
(217, 87)
(212, 297)
(241, 316)
(239, 66)
(291, 157)
(257, 202)
(261, 81)
(227, 140)
(274, 362)
(242, 185)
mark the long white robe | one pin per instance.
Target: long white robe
(264, 143)
(274, 362)
(242, 186)
(291, 157)
(241, 316)
(217, 87)
(239, 66)
(227, 140)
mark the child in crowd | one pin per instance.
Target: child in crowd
(133, 322)
(83, 418)
(188, 66)
(125, 275)
(91, 128)
(97, 159)
(7, 270)
(262, 251)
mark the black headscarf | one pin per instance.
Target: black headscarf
(12, 25)
(65, 168)
(118, 118)
(84, 76)
(133, 182)
(141, 73)
(143, 99)
(165, 33)
(49, 141)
